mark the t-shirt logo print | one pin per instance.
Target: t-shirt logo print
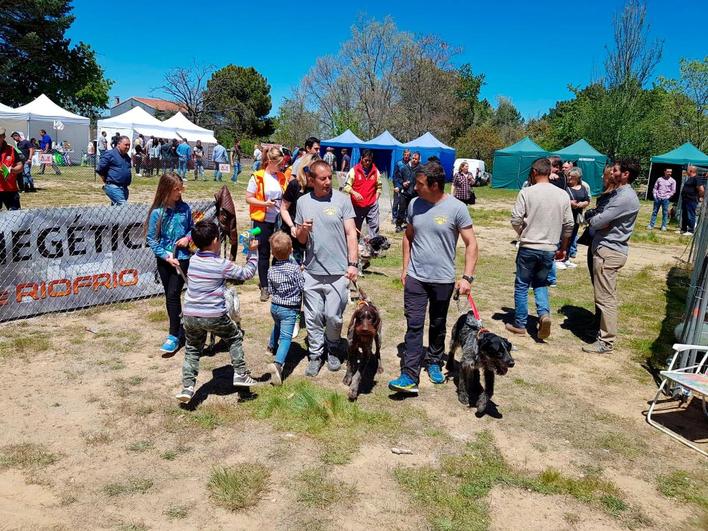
(330, 211)
(440, 220)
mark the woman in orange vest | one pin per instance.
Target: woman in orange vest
(263, 195)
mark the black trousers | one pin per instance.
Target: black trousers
(173, 284)
(10, 200)
(417, 296)
(263, 238)
(404, 200)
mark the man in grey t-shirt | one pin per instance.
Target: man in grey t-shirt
(325, 223)
(435, 220)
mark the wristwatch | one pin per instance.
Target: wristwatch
(468, 278)
(353, 264)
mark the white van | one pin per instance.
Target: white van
(474, 165)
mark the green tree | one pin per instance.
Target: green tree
(238, 99)
(37, 58)
(480, 143)
(688, 101)
(470, 110)
(295, 122)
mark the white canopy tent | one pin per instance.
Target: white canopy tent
(190, 131)
(43, 113)
(135, 122)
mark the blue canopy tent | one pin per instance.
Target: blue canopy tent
(589, 160)
(346, 140)
(384, 147)
(427, 145)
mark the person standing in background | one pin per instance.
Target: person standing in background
(257, 155)
(236, 160)
(346, 161)
(45, 144)
(102, 144)
(114, 169)
(27, 150)
(198, 153)
(330, 159)
(691, 194)
(219, 157)
(663, 191)
(184, 153)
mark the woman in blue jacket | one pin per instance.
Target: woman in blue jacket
(169, 223)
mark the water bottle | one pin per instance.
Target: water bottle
(246, 236)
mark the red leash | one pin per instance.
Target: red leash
(473, 306)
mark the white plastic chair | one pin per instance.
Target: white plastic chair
(693, 379)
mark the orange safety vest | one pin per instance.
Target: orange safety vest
(258, 213)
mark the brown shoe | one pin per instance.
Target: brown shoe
(511, 328)
(264, 294)
(544, 326)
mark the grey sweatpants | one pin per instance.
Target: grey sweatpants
(325, 298)
(369, 214)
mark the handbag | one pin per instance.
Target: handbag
(473, 198)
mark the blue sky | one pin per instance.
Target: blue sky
(529, 51)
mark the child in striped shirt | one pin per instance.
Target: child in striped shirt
(285, 283)
(204, 307)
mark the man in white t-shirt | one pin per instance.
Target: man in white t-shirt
(257, 155)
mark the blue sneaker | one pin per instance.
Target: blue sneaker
(171, 345)
(403, 384)
(435, 374)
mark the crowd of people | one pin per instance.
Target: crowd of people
(306, 245)
(306, 255)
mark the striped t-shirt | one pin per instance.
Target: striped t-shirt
(206, 282)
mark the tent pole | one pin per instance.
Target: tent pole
(646, 194)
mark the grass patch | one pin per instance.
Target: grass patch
(240, 487)
(132, 486)
(132, 526)
(157, 316)
(24, 343)
(177, 512)
(26, 456)
(113, 364)
(169, 455)
(685, 486)
(315, 489)
(323, 414)
(454, 495)
(97, 438)
(140, 446)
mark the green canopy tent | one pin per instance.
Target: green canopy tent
(589, 160)
(676, 159)
(512, 164)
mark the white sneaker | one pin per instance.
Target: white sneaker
(244, 380)
(570, 265)
(560, 265)
(650, 227)
(687, 233)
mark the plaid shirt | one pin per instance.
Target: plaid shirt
(462, 183)
(285, 283)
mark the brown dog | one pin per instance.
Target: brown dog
(364, 332)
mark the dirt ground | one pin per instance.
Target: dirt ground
(92, 437)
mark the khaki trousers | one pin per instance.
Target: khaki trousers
(606, 265)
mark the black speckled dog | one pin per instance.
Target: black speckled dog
(481, 350)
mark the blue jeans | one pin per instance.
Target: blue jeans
(282, 334)
(256, 165)
(532, 268)
(217, 173)
(27, 180)
(117, 194)
(664, 204)
(552, 278)
(237, 170)
(182, 168)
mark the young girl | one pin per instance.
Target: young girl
(169, 223)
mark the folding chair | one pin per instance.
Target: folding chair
(693, 380)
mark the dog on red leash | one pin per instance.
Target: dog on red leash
(363, 336)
